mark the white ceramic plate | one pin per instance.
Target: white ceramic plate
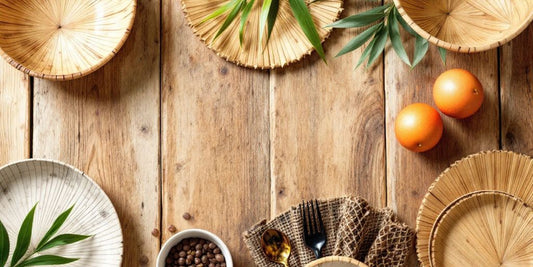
(56, 187)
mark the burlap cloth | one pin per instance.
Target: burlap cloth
(353, 227)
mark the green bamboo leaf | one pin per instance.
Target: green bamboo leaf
(360, 39)
(244, 17)
(404, 24)
(361, 19)
(46, 260)
(421, 48)
(219, 11)
(24, 237)
(442, 53)
(62, 240)
(396, 39)
(234, 12)
(4, 245)
(379, 46)
(60, 220)
(302, 15)
(265, 10)
(366, 53)
(272, 16)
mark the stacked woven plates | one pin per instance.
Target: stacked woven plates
(478, 213)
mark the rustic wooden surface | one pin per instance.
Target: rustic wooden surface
(168, 128)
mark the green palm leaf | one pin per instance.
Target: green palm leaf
(24, 237)
(302, 15)
(46, 260)
(265, 10)
(421, 48)
(4, 245)
(361, 19)
(396, 39)
(360, 39)
(244, 17)
(379, 46)
(234, 12)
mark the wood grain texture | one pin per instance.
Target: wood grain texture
(517, 94)
(215, 139)
(107, 124)
(15, 99)
(327, 128)
(410, 174)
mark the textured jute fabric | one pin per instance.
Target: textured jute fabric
(353, 228)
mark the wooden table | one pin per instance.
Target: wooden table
(167, 128)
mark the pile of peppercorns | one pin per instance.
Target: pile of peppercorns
(195, 252)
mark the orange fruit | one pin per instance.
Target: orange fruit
(418, 127)
(458, 93)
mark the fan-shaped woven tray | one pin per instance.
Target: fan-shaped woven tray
(56, 187)
(467, 25)
(287, 43)
(63, 39)
(492, 170)
(484, 229)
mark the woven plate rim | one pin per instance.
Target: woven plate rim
(336, 259)
(461, 48)
(444, 173)
(89, 179)
(75, 75)
(457, 203)
(237, 62)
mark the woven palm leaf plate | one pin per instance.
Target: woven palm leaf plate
(56, 187)
(336, 261)
(63, 39)
(503, 171)
(467, 25)
(287, 43)
(484, 229)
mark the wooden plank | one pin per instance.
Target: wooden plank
(516, 94)
(410, 174)
(15, 95)
(215, 138)
(107, 124)
(327, 127)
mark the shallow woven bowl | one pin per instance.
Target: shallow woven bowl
(336, 261)
(63, 39)
(485, 229)
(467, 25)
(503, 171)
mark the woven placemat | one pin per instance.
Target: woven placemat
(354, 229)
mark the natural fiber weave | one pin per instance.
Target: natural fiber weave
(467, 26)
(287, 43)
(354, 229)
(489, 170)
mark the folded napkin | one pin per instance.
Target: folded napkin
(354, 229)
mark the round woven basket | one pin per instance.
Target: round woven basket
(503, 171)
(486, 228)
(467, 25)
(336, 261)
(287, 43)
(63, 39)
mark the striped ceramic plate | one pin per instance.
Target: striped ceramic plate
(55, 187)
